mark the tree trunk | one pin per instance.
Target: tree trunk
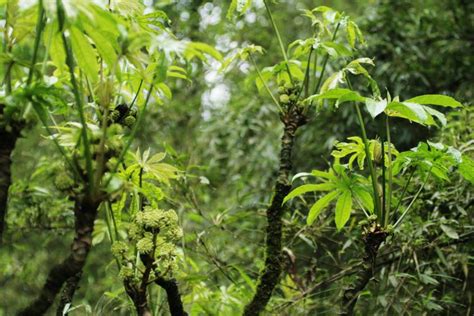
(85, 212)
(7, 144)
(270, 275)
(373, 238)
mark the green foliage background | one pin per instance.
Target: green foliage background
(224, 135)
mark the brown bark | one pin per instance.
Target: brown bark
(373, 238)
(7, 144)
(68, 293)
(139, 298)
(174, 297)
(270, 275)
(85, 212)
(175, 303)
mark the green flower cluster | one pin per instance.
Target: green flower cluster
(153, 232)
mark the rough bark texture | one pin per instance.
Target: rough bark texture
(270, 275)
(174, 297)
(170, 286)
(68, 293)
(85, 212)
(139, 298)
(373, 238)
(7, 144)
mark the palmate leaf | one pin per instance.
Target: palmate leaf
(364, 196)
(308, 188)
(320, 205)
(434, 158)
(84, 53)
(103, 44)
(416, 109)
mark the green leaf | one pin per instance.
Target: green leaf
(440, 116)
(324, 174)
(410, 111)
(375, 107)
(308, 188)
(332, 81)
(343, 209)
(449, 231)
(103, 44)
(239, 6)
(207, 49)
(340, 94)
(436, 99)
(364, 197)
(320, 205)
(84, 54)
(466, 168)
(351, 33)
(335, 49)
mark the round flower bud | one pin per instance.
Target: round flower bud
(63, 181)
(119, 248)
(288, 85)
(126, 273)
(114, 115)
(145, 245)
(284, 98)
(129, 121)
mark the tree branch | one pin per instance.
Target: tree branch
(373, 238)
(85, 213)
(7, 145)
(68, 293)
(270, 275)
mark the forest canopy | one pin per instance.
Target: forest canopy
(243, 157)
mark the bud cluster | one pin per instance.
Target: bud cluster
(153, 232)
(124, 115)
(289, 93)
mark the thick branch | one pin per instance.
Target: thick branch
(372, 240)
(174, 297)
(85, 212)
(175, 303)
(138, 297)
(7, 144)
(270, 275)
(68, 293)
